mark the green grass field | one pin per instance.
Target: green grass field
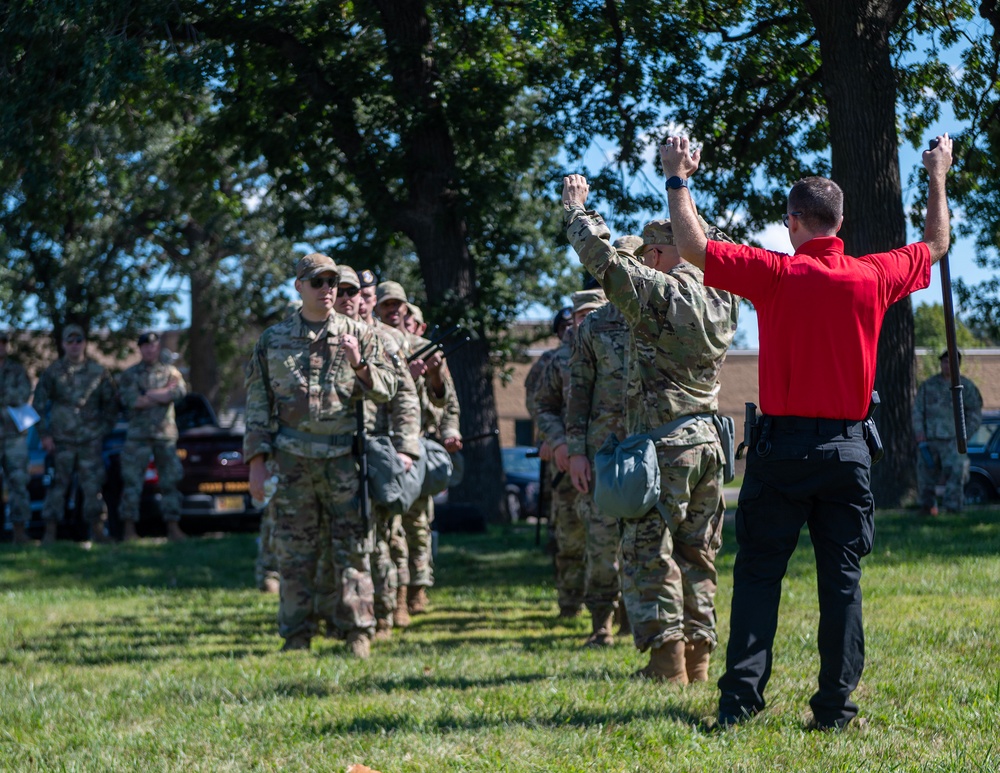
(164, 657)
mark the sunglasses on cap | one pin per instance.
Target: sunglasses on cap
(74, 339)
(348, 290)
(318, 281)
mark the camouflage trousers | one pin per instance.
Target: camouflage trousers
(14, 462)
(571, 544)
(417, 526)
(399, 551)
(602, 580)
(668, 562)
(266, 566)
(385, 572)
(134, 461)
(316, 514)
(949, 465)
(89, 464)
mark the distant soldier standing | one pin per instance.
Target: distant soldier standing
(934, 428)
(148, 392)
(15, 390)
(303, 381)
(78, 404)
(681, 332)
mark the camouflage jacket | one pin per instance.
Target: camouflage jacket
(77, 403)
(157, 422)
(933, 414)
(551, 395)
(534, 379)
(302, 381)
(400, 417)
(598, 383)
(439, 414)
(681, 331)
(15, 389)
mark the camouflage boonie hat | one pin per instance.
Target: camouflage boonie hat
(390, 291)
(348, 276)
(72, 330)
(367, 277)
(416, 313)
(314, 264)
(587, 300)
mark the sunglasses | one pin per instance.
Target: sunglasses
(348, 290)
(318, 281)
(784, 217)
(74, 340)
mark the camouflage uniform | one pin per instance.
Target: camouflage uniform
(531, 383)
(266, 566)
(301, 392)
(595, 410)
(681, 331)
(571, 541)
(15, 390)
(151, 431)
(934, 419)
(78, 406)
(400, 419)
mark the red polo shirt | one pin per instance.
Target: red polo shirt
(819, 314)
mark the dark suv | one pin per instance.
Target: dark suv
(984, 462)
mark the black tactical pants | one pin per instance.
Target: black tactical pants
(802, 471)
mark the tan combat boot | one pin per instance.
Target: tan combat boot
(359, 644)
(20, 535)
(666, 664)
(417, 600)
(401, 617)
(697, 655)
(601, 635)
(129, 534)
(383, 630)
(49, 537)
(174, 533)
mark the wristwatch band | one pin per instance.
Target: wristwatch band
(676, 183)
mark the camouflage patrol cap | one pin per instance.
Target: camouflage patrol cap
(655, 232)
(390, 291)
(630, 244)
(416, 313)
(314, 264)
(72, 330)
(588, 300)
(367, 277)
(562, 318)
(348, 276)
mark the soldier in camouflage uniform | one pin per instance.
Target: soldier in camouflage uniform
(934, 427)
(148, 392)
(439, 417)
(266, 567)
(15, 390)
(596, 409)
(303, 381)
(550, 400)
(400, 420)
(78, 404)
(681, 331)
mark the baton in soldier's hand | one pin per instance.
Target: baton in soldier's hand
(434, 343)
(957, 400)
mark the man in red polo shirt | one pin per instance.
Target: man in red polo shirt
(819, 313)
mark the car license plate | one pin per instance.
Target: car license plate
(229, 504)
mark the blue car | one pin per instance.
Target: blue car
(521, 477)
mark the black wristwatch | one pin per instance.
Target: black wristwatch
(360, 365)
(676, 183)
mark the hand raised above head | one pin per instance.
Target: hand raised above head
(575, 189)
(938, 158)
(676, 157)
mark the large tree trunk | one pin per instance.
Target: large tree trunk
(203, 362)
(860, 88)
(432, 219)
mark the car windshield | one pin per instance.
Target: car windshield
(982, 435)
(514, 460)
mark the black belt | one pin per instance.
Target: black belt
(309, 437)
(809, 425)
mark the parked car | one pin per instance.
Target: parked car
(521, 482)
(984, 462)
(214, 488)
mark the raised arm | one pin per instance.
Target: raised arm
(679, 164)
(937, 226)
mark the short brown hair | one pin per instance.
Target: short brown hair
(819, 202)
